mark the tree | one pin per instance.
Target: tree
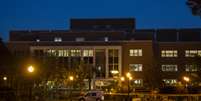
(153, 76)
(196, 78)
(5, 59)
(7, 65)
(195, 6)
(84, 71)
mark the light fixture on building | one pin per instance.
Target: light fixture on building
(106, 39)
(57, 39)
(114, 71)
(99, 68)
(37, 40)
(4, 78)
(79, 39)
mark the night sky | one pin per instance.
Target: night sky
(55, 14)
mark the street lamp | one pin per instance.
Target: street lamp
(4, 78)
(186, 79)
(71, 78)
(129, 77)
(30, 69)
(122, 79)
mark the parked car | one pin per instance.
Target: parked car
(92, 96)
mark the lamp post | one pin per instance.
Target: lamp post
(115, 75)
(4, 78)
(71, 78)
(187, 80)
(5, 81)
(30, 70)
(129, 77)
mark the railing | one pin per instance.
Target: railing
(151, 97)
(58, 96)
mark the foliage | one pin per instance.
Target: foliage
(195, 6)
(83, 71)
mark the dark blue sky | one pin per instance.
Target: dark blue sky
(55, 14)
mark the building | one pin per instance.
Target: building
(113, 47)
(6, 67)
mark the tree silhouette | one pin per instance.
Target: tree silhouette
(195, 6)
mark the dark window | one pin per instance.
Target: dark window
(93, 94)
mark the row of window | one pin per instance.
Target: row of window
(164, 68)
(168, 68)
(132, 52)
(78, 39)
(174, 68)
(167, 53)
(135, 52)
(65, 53)
(139, 82)
(170, 81)
(192, 53)
(174, 53)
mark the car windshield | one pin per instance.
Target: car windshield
(91, 94)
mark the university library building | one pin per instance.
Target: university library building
(103, 51)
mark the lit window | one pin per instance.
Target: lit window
(135, 67)
(60, 53)
(191, 68)
(37, 40)
(135, 52)
(169, 68)
(113, 60)
(75, 52)
(53, 53)
(169, 53)
(88, 53)
(65, 53)
(49, 52)
(106, 39)
(57, 39)
(79, 39)
(138, 82)
(170, 81)
(192, 53)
